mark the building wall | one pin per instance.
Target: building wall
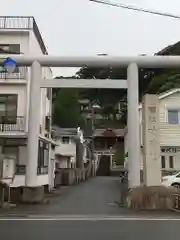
(66, 149)
(28, 45)
(16, 37)
(169, 133)
(22, 155)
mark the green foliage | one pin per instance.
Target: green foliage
(119, 157)
(67, 109)
(164, 82)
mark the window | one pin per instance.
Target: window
(163, 162)
(43, 158)
(11, 151)
(47, 123)
(171, 162)
(9, 49)
(49, 93)
(65, 140)
(8, 108)
(173, 116)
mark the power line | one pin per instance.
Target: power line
(134, 8)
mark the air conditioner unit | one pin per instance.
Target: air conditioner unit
(7, 168)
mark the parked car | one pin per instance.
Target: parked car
(172, 180)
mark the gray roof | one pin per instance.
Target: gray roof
(63, 132)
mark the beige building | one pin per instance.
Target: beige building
(169, 123)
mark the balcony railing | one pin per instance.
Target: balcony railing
(20, 74)
(12, 124)
(20, 22)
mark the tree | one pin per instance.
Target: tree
(164, 82)
(67, 110)
(103, 96)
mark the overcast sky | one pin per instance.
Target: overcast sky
(80, 27)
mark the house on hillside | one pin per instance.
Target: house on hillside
(20, 35)
(169, 122)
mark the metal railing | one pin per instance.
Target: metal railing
(20, 74)
(20, 22)
(12, 124)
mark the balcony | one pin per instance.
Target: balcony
(23, 23)
(12, 124)
(19, 75)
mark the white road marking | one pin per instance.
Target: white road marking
(89, 218)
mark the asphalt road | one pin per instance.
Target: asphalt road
(96, 196)
(87, 211)
(90, 230)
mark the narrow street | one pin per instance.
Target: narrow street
(95, 196)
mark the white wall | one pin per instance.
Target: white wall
(15, 37)
(63, 162)
(66, 149)
(28, 45)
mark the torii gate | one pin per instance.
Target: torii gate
(132, 63)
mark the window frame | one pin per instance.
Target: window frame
(163, 160)
(171, 162)
(8, 102)
(65, 142)
(173, 109)
(43, 158)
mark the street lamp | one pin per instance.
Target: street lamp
(9, 65)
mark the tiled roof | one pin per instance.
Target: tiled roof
(108, 132)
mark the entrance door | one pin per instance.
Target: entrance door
(104, 166)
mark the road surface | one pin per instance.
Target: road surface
(87, 211)
(90, 230)
(95, 196)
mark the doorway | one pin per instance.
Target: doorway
(104, 166)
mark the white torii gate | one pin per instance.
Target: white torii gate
(132, 64)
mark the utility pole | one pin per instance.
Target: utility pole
(138, 9)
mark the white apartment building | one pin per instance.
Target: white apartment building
(169, 126)
(20, 35)
(66, 149)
